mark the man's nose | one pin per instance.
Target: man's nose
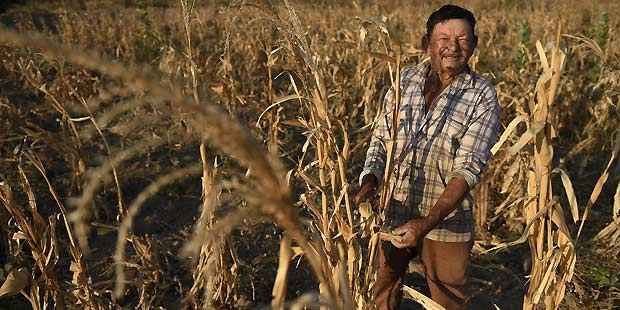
(453, 44)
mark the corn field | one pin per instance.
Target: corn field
(205, 154)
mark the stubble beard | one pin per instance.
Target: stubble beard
(443, 69)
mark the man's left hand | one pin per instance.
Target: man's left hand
(410, 233)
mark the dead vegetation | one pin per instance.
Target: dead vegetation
(261, 113)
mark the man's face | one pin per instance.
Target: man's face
(451, 45)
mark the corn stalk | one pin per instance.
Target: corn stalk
(40, 236)
(345, 262)
(552, 247)
(213, 274)
(553, 252)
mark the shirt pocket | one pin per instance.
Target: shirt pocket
(456, 124)
(456, 127)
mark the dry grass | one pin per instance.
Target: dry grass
(273, 106)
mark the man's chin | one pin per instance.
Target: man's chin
(453, 69)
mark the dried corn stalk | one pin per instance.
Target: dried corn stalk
(552, 247)
(214, 275)
(41, 239)
(279, 286)
(553, 253)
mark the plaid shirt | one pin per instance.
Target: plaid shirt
(453, 139)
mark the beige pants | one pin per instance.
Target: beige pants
(445, 264)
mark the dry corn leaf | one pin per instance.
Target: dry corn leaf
(599, 184)
(20, 236)
(542, 56)
(76, 270)
(558, 218)
(365, 209)
(311, 205)
(530, 206)
(343, 192)
(346, 147)
(545, 281)
(509, 176)
(345, 289)
(570, 193)
(507, 132)
(279, 287)
(612, 231)
(297, 252)
(590, 43)
(616, 213)
(352, 258)
(526, 137)
(277, 102)
(381, 56)
(372, 249)
(426, 302)
(388, 236)
(16, 281)
(526, 232)
(344, 229)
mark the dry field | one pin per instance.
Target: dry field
(203, 154)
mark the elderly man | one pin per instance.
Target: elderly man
(447, 123)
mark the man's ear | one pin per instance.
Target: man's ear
(475, 41)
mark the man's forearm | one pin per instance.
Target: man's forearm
(370, 179)
(452, 195)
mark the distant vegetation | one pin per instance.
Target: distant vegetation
(147, 148)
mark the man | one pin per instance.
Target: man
(447, 124)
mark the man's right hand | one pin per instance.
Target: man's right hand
(367, 190)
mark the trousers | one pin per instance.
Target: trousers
(445, 265)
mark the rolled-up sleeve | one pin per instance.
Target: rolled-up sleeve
(376, 154)
(475, 146)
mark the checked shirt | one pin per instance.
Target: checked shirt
(453, 139)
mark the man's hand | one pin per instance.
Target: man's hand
(367, 190)
(410, 233)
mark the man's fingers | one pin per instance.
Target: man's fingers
(385, 236)
(399, 243)
(400, 230)
(404, 241)
(395, 242)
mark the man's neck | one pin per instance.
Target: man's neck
(432, 88)
(444, 78)
(435, 83)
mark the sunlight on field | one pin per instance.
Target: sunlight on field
(204, 154)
